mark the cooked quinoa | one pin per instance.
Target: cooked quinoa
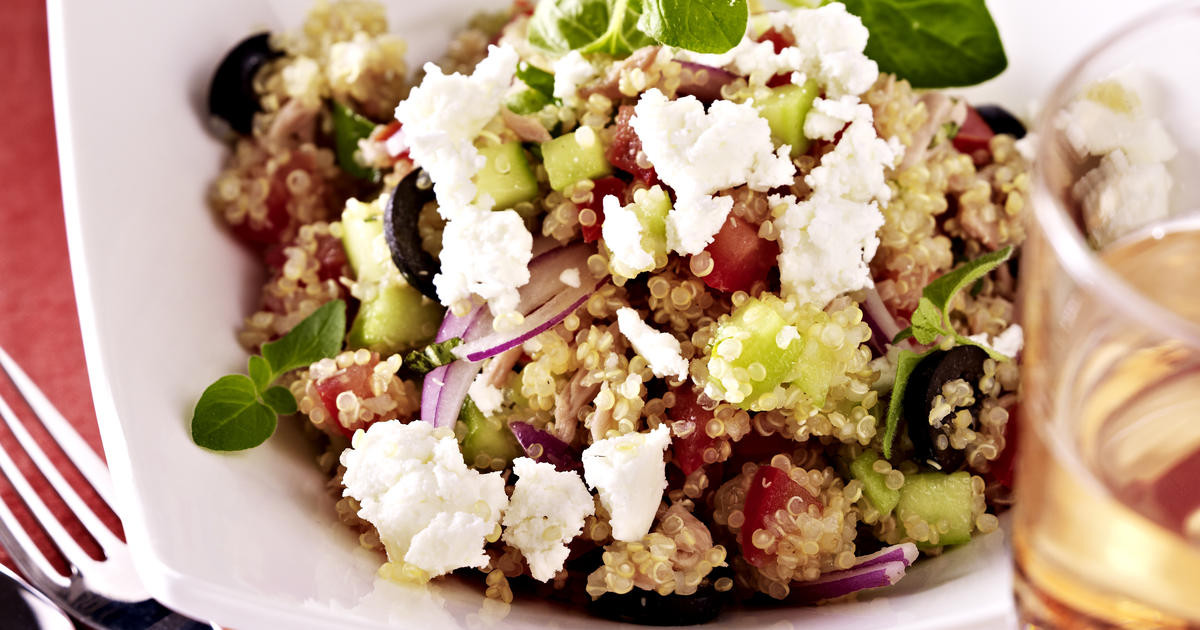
(582, 381)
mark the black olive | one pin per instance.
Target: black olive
(231, 96)
(925, 383)
(404, 239)
(1000, 120)
(648, 608)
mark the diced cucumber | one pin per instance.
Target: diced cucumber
(785, 110)
(574, 157)
(874, 488)
(485, 439)
(397, 318)
(507, 176)
(938, 497)
(751, 354)
(649, 208)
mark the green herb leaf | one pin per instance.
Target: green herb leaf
(348, 129)
(907, 333)
(317, 337)
(927, 322)
(527, 101)
(229, 417)
(906, 362)
(942, 290)
(608, 26)
(932, 43)
(260, 372)
(536, 78)
(434, 355)
(280, 400)
(704, 26)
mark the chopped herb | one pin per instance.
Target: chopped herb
(348, 129)
(905, 364)
(238, 412)
(537, 79)
(434, 355)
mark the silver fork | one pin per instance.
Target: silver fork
(103, 593)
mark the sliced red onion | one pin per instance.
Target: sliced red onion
(431, 390)
(710, 89)
(544, 318)
(840, 583)
(455, 326)
(904, 552)
(457, 381)
(883, 325)
(541, 446)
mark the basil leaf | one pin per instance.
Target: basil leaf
(536, 78)
(317, 337)
(703, 26)
(905, 364)
(434, 355)
(348, 129)
(280, 399)
(932, 43)
(229, 417)
(260, 372)
(622, 35)
(942, 290)
(608, 26)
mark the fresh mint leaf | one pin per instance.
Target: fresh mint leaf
(536, 78)
(260, 372)
(348, 128)
(317, 337)
(932, 43)
(609, 26)
(907, 333)
(432, 356)
(927, 322)
(229, 416)
(280, 399)
(942, 290)
(703, 26)
(905, 364)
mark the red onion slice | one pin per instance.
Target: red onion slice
(904, 552)
(457, 381)
(544, 318)
(883, 325)
(840, 583)
(431, 390)
(709, 89)
(541, 446)
(455, 326)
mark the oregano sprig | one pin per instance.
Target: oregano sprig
(240, 411)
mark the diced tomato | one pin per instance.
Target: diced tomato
(274, 229)
(355, 378)
(330, 255)
(777, 39)
(770, 491)
(623, 151)
(601, 188)
(381, 134)
(689, 450)
(740, 257)
(973, 138)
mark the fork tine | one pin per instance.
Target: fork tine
(82, 455)
(25, 553)
(83, 512)
(65, 542)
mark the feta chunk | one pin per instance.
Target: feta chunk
(1118, 197)
(660, 349)
(487, 397)
(622, 232)
(1009, 342)
(629, 473)
(545, 513)
(571, 71)
(485, 253)
(443, 116)
(698, 153)
(431, 511)
(829, 116)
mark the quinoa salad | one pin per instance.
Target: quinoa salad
(653, 321)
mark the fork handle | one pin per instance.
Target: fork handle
(104, 614)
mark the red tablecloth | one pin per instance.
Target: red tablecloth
(39, 326)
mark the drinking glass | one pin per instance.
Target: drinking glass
(1107, 515)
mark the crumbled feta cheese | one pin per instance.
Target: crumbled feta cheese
(545, 513)
(571, 71)
(485, 253)
(570, 277)
(827, 240)
(622, 234)
(412, 484)
(629, 474)
(487, 397)
(1009, 342)
(829, 116)
(443, 116)
(1118, 197)
(698, 153)
(660, 349)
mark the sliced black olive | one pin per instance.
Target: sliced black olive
(231, 96)
(1000, 120)
(925, 383)
(404, 239)
(648, 608)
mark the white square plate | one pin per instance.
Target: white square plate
(250, 540)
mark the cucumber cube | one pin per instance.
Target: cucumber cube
(575, 157)
(362, 236)
(874, 488)
(938, 498)
(785, 110)
(507, 176)
(753, 352)
(396, 318)
(486, 442)
(649, 208)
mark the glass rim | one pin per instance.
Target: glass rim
(1064, 236)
